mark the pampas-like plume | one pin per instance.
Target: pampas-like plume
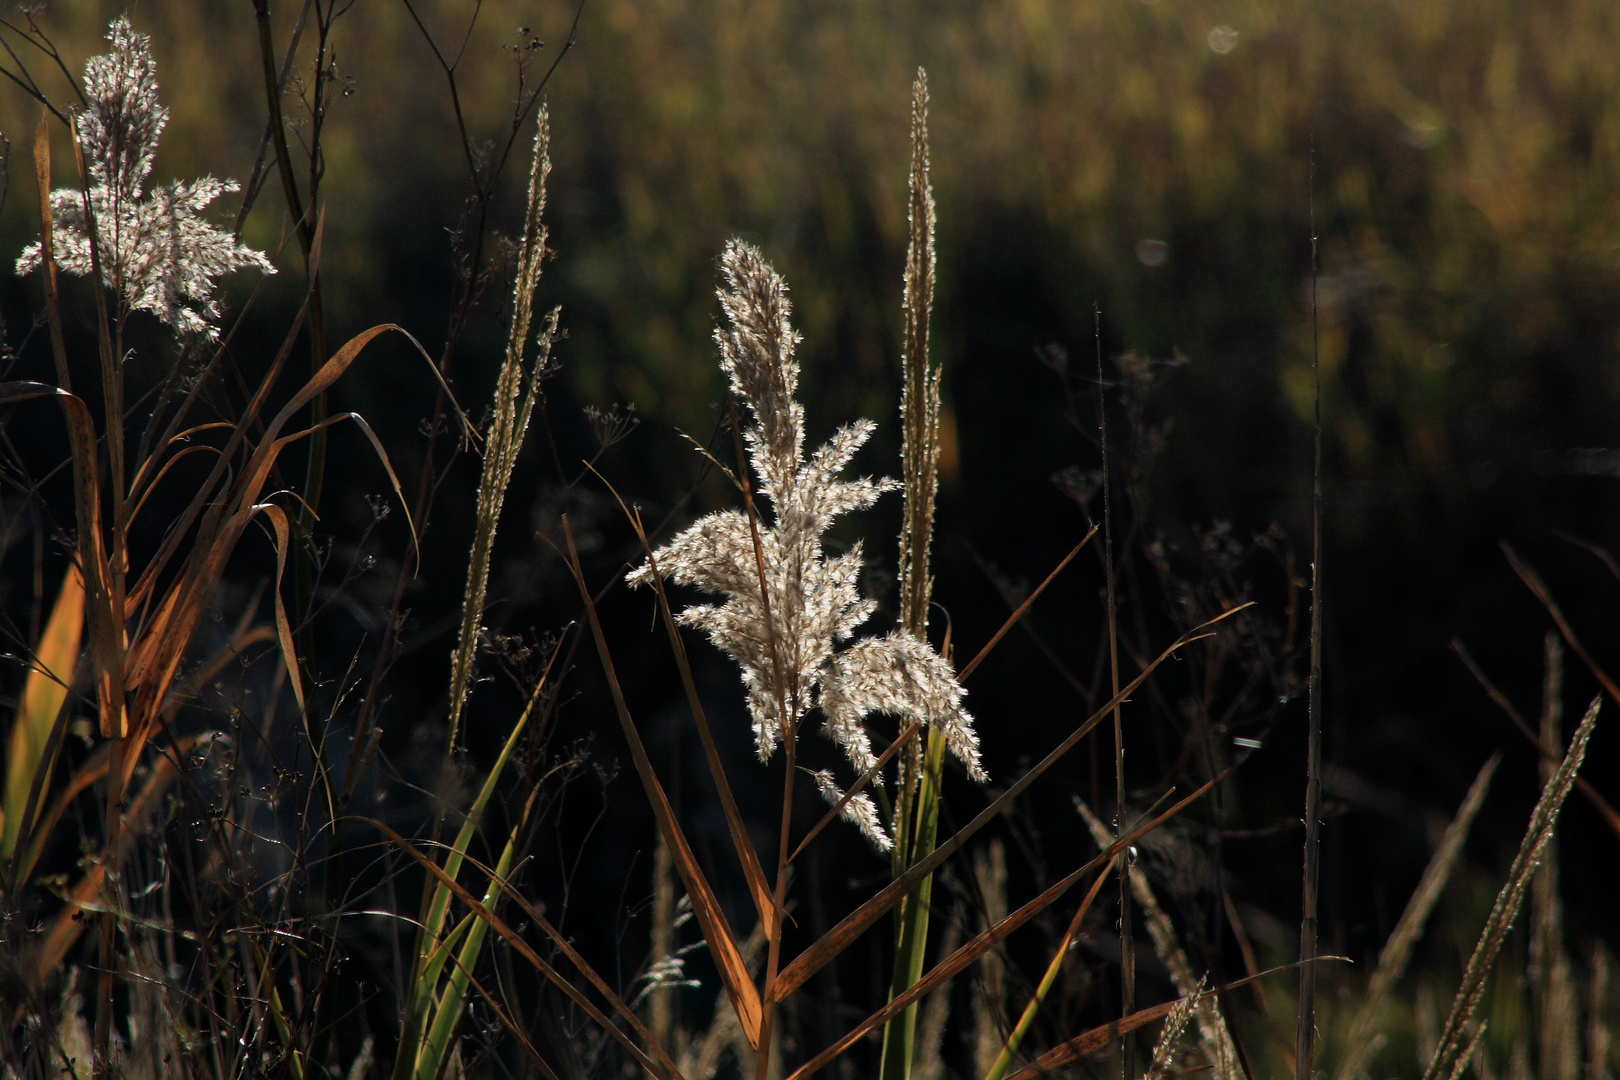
(156, 250)
(787, 640)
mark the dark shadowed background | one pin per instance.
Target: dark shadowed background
(1151, 161)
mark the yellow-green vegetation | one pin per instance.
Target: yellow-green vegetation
(1469, 156)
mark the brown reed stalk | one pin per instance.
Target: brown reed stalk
(1508, 901)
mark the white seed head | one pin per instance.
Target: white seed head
(791, 661)
(156, 250)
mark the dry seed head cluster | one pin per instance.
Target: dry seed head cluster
(156, 250)
(792, 660)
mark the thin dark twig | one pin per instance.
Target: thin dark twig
(1127, 951)
(1305, 1035)
(1604, 808)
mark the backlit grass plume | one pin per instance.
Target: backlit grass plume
(787, 640)
(156, 251)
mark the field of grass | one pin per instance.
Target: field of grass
(383, 533)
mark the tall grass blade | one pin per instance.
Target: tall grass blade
(706, 908)
(56, 654)
(1553, 983)
(447, 1011)
(664, 1068)
(432, 950)
(1508, 901)
(976, 948)
(1216, 1037)
(1397, 951)
(858, 921)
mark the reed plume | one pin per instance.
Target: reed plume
(155, 250)
(787, 637)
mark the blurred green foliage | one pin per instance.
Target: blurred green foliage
(1467, 180)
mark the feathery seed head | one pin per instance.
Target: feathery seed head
(156, 251)
(858, 811)
(788, 640)
(119, 131)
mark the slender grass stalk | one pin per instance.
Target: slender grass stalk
(928, 1063)
(1305, 1035)
(661, 1001)
(916, 825)
(1553, 982)
(1361, 1044)
(517, 389)
(424, 1042)
(1597, 1013)
(1127, 942)
(1219, 1047)
(1506, 909)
